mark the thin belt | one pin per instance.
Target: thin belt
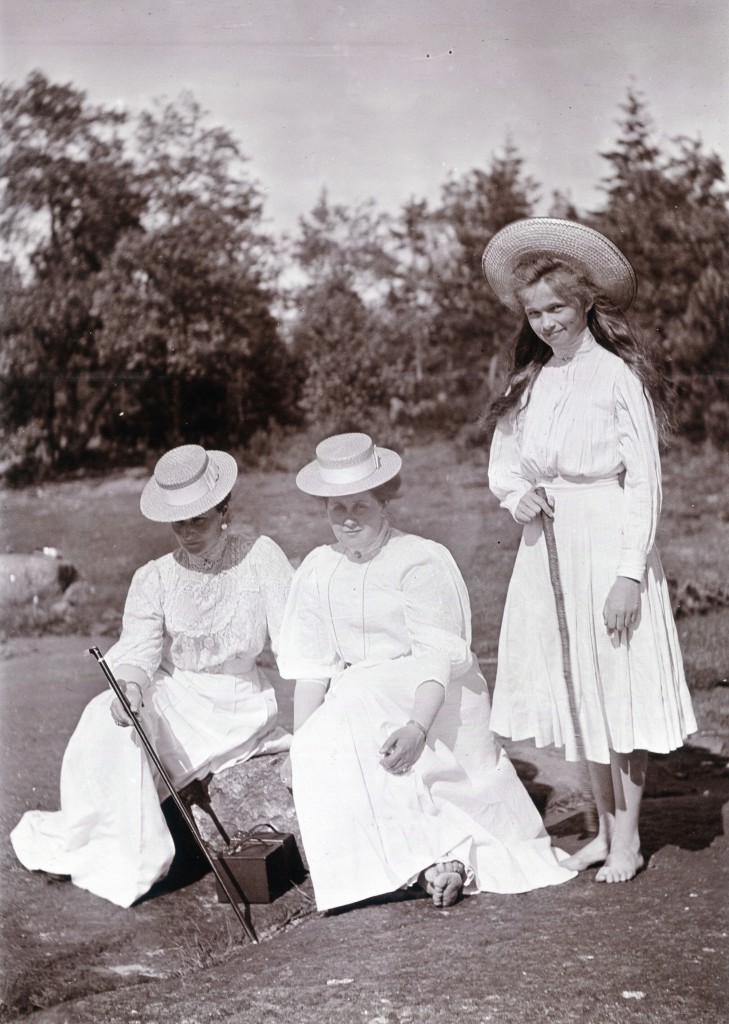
(562, 483)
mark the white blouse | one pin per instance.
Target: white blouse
(588, 418)
(198, 614)
(408, 602)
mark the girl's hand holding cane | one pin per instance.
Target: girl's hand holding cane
(531, 505)
(133, 693)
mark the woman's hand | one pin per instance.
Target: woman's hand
(622, 608)
(530, 506)
(402, 749)
(285, 773)
(133, 693)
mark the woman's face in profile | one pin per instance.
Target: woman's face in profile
(552, 318)
(356, 519)
(200, 534)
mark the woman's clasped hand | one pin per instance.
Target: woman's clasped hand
(133, 694)
(402, 748)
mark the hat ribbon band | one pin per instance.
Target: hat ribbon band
(350, 474)
(185, 494)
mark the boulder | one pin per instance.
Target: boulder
(25, 577)
(241, 798)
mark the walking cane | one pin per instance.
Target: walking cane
(589, 816)
(184, 811)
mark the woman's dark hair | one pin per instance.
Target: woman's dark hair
(384, 493)
(223, 505)
(607, 324)
(389, 490)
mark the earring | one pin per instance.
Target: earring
(223, 526)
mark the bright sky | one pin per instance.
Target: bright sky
(385, 99)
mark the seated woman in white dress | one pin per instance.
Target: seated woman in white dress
(395, 774)
(195, 621)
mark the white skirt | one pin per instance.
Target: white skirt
(630, 693)
(110, 835)
(367, 832)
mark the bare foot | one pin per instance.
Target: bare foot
(620, 866)
(594, 852)
(444, 882)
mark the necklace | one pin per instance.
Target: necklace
(367, 554)
(371, 557)
(210, 567)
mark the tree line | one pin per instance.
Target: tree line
(146, 306)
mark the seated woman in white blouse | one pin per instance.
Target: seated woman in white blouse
(195, 621)
(396, 776)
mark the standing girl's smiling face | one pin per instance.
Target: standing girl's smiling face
(554, 319)
(356, 519)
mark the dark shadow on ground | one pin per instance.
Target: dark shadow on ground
(400, 896)
(685, 793)
(538, 791)
(189, 864)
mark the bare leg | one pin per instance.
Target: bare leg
(597, 850)
(625, 859)
(444, 882)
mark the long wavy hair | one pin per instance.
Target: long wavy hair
(607, 324)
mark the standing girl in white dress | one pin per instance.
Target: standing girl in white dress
(396, 776)
(579, 420)
(195, 621)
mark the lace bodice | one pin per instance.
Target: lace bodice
(197, 614)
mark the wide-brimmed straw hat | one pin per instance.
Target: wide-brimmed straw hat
(187, 481)
(348, 464)
(590, 252)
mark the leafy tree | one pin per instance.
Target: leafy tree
(209, 342)
(668, 213)
(139, 307)
(68, 196)
(337, 327)
(470, 325)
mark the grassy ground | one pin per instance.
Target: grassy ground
(97, 525)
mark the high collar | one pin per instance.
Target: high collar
(583, 343)
(211, 561)
(359, 555)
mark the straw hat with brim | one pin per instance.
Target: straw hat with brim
(187, 481)
(348, 464)
(590, 252)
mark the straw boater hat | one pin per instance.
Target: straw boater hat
(347, 464)
(187, 481)
(592, 253)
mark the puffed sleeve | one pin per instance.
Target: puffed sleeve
(274, 572)
(142, 636)
(305, 648)
(505, 478)
(638, 446)
(437, 614)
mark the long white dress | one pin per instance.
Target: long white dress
(194, 627)
(588, 435)
(378, 630)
